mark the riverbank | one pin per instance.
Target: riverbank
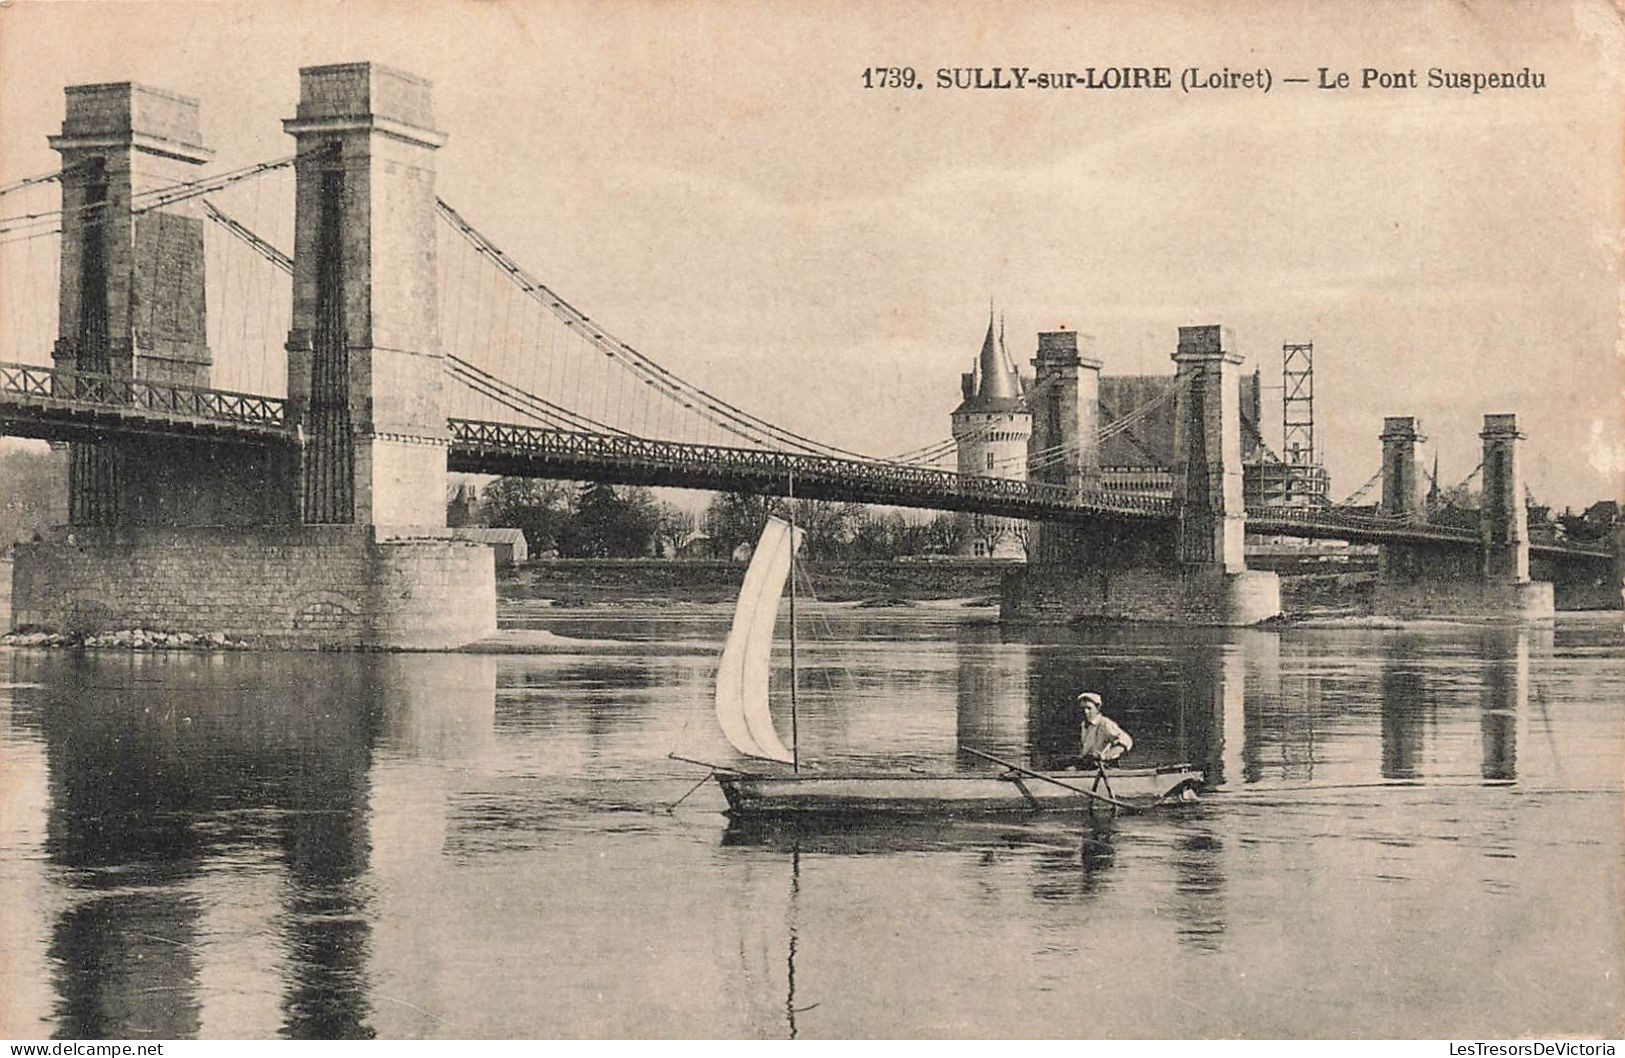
(591, 582)
(573, 583)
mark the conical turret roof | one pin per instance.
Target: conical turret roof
(995, 386)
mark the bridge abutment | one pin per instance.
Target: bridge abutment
(1440, 579)
(1187, 569)
(305, 587)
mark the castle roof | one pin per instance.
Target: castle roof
(1150, 441)
(993, 385)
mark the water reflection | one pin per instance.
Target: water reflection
(991, 678)
(124, 966)
(122, 796)
(1214, 700)
(325, 847)
(878, 835)
(1199, 888)
(342, 846)
(1406, 705)
(1081, 868)
(1504, 699)
(161, 766)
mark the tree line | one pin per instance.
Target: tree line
(599, 520)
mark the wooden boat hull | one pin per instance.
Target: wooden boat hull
(949, 794)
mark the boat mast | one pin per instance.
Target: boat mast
(795, 734)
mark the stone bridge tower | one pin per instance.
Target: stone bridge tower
(334, 534)
(1065, 445)
(365, 367)
(132, 305)
(1423, 578)
(1187, 566)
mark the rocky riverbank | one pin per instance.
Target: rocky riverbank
(128, 639)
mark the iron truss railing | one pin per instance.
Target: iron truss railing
(1365, 527)
(77, 405)
(503, 448)
(1330, 521)
(56, 404)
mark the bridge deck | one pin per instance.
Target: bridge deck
(502, 448)
(54, 405)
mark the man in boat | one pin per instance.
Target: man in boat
(1103, 740)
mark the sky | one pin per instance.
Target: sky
(714, 183)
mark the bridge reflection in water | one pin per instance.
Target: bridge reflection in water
(189, 798)
(362, 852)
(1184, 703)
(1189, 700)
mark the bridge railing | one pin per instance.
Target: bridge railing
(1266, 519)
(577, 449)
(46, 385)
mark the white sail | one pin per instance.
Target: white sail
(742, 708)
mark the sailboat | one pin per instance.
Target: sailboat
(789, 790)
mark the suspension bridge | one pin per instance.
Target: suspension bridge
(195, 339)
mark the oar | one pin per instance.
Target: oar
(1114, 802)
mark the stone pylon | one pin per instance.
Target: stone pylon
(1503, 518)
(1402, 493)
(1064, 448)
(131, 298)
(365, 365)
(1207, 451)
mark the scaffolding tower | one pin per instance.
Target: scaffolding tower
(1305, 482)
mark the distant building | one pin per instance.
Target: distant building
(1139, 457)
(990, 430)
(992, 425)
(464, 507)
(508, 545)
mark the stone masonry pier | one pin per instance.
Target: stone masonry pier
(1436, 580)
(1192, 571)
(336, 539)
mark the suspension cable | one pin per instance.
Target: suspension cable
(44, 178)
(484, 381)
(165, 195)
(722, 413)
(242, 232)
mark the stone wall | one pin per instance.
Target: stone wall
(1049, 595)
(306, 588)
(1464, 597)
(1418, 580)
(1580, 583)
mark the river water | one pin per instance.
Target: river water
(1414, 832)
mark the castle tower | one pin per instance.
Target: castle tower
(990, 429)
